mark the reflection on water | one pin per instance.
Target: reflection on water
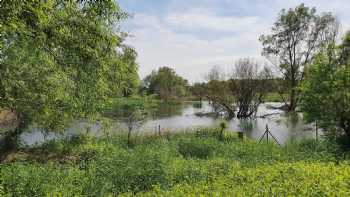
(283, 127)
(172, 117)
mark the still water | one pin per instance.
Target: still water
(185, 115)
(282, 126)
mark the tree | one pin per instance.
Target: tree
(217, 91)
(131, 80)
(60, 61)
(166, 84)
(198, 90)
(133, 111)
(241, 95)
(326, 90)
(249, 86)
(296, 37)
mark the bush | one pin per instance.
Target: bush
(196, 148)
(20, 179)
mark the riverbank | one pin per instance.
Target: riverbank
(180, 164)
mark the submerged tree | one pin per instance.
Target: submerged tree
(249, 85)
(296, 37)
(241, 95)
(326, 90)
(59, 61)
(217, 91)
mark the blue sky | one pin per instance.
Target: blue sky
(192, 36)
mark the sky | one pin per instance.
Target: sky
(192, 36)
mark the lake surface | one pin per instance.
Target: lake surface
(172, 118)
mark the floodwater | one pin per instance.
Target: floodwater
(170, 117)
(282, 126)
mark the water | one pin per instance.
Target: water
(283, 127)
(178, 117)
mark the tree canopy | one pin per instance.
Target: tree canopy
(326, 90)
(166, 84)
(61, 60)
(298, 34)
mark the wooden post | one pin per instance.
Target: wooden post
(267, 133)
(316, 132)
(159, 130)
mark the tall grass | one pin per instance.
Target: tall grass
(167, 165)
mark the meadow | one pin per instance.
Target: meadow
(193, 163)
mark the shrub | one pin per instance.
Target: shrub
(281, 179)
(196, 148)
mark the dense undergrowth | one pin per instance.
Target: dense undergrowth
(183, 164)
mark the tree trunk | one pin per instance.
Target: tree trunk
(345, 125)
(129, 137)
(11, 139)
(292, 101)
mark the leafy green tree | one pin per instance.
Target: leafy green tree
(133, 111)
(297, 35)
(131, 80)
(166, 84)
(326, 90)
(60, 60)
(198, 90)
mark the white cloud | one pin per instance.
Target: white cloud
(194, 40)
(158, 45)
(203, 19)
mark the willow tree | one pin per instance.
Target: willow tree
(60, 61)
(297, 35)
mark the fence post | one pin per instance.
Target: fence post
(267, 133)
(159, 130)
(316, 132)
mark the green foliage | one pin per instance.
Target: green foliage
(179, 165)
(59, 60)
(297, 36)
(281, 179)
(326, 91)
(192, 148)
(136, 170)
(166, 84)
(124, 107)
(133, 111)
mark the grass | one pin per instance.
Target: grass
(183, 164)
(274, 97)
